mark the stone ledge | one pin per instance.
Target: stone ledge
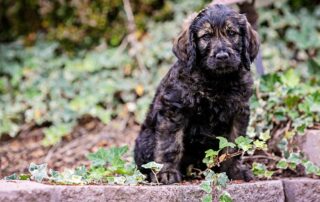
(32, 191)
(301, 189)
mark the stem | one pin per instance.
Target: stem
(274, 158)
(155, 175)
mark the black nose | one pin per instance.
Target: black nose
(222, 55)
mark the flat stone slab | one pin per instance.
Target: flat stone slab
(31, 191)
(302, 190)
(261, 191)
(310, 145)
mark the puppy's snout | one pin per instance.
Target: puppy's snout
(222, 55)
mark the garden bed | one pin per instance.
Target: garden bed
(296, 189)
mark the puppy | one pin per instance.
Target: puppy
(205, 94)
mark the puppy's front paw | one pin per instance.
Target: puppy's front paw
(240, 172)
(168, 176)
(246, 174)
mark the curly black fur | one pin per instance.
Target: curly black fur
(205, 94)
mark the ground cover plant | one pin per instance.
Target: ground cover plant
(45, 84)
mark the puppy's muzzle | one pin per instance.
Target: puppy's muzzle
(222, 56)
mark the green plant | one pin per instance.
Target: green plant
(155, 168)
(107, 166)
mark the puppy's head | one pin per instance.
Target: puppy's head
(217, 39)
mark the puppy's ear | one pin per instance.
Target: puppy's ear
(181, 44)
(251, 44)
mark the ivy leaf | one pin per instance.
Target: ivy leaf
(81, 171)
(24, 177)
(211, 153)
(225, 197)
(14, 176)
(55, 176)
(207, 198)
(294, 158)
(282, 164)
(268, 174)
(260, 170)
(112, 156)
(98, 158)
(135, 178)
(223, 143)
(260, 144)
(38, 172)
(311, 168)
(153, 166)
(222, 179)
(244, 143)
(206, 186)
(97, 173)
(265, 136)
(210, 157)
(290, 78)
(121, 180)
(210, 175)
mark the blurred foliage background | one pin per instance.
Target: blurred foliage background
(62, 60)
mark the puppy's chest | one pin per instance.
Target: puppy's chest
(214, 102)
(210, 110)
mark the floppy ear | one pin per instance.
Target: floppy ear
(184, 44)
(250, 44)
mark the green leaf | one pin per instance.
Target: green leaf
(311, 168)
(260, 144)
(81, 171)
(222, 179)
(121, 180)
(206, 186)
(225, 197)
(210, 175)
(207, 198)
(210, 156)
(24, 177)
(54, 134)
(156, 167)
(112, 156)
(265, 136)
(290, 78)
(98, 158)
(294, 158)
(268, 174)
(282, 164)
(260, 170)
(135, 178)
(223, 143)
(98, 173)
(38, 172)
(244, 143)
(211, 153)
(14, 176)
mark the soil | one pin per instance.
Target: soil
(17, 153)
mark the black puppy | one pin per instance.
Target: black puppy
(205, 94)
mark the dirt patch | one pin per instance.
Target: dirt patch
(16, 154)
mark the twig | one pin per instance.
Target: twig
(132, 30)
(155, 176)
(123, 45)
(274, 158)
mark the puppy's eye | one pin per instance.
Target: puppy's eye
(231, 33)
(206, 36)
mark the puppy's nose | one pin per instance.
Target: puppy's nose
(222, 55)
